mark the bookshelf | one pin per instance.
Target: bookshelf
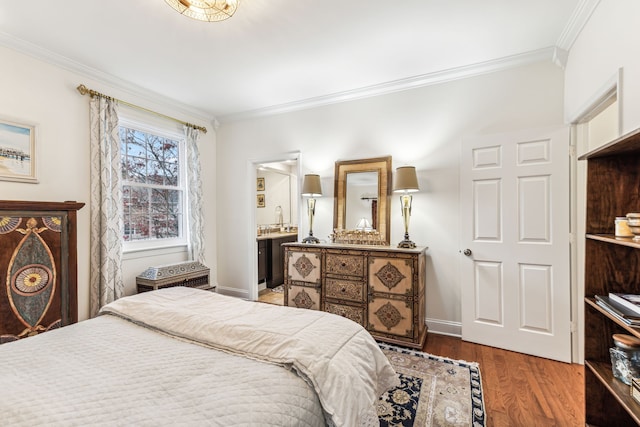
(611, 265)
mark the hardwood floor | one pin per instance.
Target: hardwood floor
(519, 390)
(271, 297)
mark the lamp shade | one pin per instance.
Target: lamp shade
(406, 180)
(363, 224)
(311, 186)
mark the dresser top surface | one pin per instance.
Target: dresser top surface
(416, 250)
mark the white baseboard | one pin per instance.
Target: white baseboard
(444, 327)
(233, 292)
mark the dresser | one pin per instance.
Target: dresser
(380, 287)
(38, 268)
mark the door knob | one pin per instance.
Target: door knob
(467, 252)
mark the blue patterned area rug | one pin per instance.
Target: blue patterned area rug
(434, 391)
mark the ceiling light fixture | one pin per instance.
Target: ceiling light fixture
(208, 11)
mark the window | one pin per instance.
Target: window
(153, 187)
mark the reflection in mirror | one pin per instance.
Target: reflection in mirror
(277, 183)
(362, 201)
(362, 196)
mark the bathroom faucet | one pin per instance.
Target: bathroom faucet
(279, 219)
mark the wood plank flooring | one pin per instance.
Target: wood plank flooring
(271, 297)
(519, 390)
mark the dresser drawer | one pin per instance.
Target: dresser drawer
(391, 275)
(344, 289)
(350, 312)
(302, 296)
(345, 265)
(391, 316)
(302, 266)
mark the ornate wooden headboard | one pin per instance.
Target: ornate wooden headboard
(38, 268)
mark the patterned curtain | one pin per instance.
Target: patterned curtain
(106, 205)
(194, 185)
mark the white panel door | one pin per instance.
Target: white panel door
(515, 272)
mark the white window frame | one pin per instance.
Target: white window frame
(166, 130)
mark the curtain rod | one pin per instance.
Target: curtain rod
(86, 91)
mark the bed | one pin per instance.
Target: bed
(182, 356)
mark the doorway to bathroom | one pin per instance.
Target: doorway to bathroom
(276, 223)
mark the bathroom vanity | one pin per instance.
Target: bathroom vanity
(271, 257)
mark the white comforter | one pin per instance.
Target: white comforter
(108, 371)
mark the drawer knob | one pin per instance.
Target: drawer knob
(343, 290)
(344, 264)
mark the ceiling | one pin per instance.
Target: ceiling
(274, 55)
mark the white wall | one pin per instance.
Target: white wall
(608, 42)
(420, 127)
(277, 193)
(37, 92)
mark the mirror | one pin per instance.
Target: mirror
(361, 201)
(362, 189)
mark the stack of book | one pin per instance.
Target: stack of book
(625, 307)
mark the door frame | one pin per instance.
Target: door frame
(252, 243)
(599, 101)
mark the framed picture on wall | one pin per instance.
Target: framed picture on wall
(260, 201)
(260, 185)
(17, 151)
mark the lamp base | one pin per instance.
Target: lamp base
(406, 243)
(310, 239)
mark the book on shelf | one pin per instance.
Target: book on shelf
(619, 311)
(631, 301)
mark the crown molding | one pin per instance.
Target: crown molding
(37, 52)
(546, 54)
(576, 23)
(560, 57)
(558, 54)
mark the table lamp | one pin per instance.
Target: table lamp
(311, 188)
(406, 182)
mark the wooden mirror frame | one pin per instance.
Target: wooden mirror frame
(381, 165)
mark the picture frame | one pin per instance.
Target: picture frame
(260, 184)
(17, 151)
(260, 201)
